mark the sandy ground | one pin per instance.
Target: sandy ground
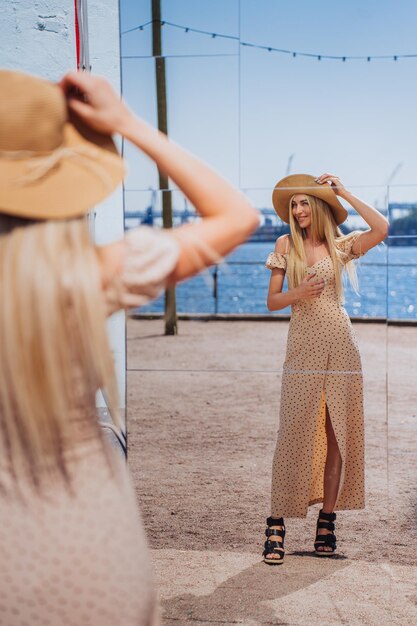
(202, 415)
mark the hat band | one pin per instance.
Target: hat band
(39, 166)
(297, 188)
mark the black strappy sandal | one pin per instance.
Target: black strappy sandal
(325, 520)
(277, 545)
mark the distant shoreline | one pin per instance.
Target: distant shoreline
(266, 234)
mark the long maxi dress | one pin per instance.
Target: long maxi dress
(322, 367)
(80, 558)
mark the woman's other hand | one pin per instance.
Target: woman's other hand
(311, 287)
(94, 100)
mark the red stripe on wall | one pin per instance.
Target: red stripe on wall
(77, 35)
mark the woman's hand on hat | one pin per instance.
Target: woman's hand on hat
(333, 181)
(311, 287)
(94, 100)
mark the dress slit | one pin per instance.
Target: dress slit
(342, 453)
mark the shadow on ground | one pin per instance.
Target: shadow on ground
(246, 597)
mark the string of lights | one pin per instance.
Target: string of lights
(293, 53)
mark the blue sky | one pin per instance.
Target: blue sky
(246, 111)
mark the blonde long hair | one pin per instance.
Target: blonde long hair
(54, 350)
(325, 229)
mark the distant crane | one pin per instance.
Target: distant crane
(290, 159)
(394, 172)
(389, 181)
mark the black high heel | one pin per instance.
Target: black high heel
(275, 546)
(325, 520)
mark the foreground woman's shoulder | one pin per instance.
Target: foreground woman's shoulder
(138, 267)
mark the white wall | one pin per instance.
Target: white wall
(39, 37)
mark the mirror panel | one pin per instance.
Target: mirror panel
(203, 406)
(402, 363)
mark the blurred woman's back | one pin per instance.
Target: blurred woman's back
(72, 546)
(72, 549)
(53, 346)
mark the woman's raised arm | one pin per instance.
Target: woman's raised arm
(378, 224)
(228, 218)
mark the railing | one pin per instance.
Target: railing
(387, 291)
(387, 274)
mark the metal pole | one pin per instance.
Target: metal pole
(215, 289)
(83, 63)
(171, 324)
(81, 15)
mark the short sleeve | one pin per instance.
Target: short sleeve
(276, 260)
(150, 256)
(345, 246)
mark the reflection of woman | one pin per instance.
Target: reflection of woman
(319, 452)
(72, 548)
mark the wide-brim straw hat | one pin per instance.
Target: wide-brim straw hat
(51, 165)
(287, 187)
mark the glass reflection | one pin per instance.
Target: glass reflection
(239, 285)
(257, 130)
(402, 364)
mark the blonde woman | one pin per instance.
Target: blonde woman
(319, 455)
(72, 547)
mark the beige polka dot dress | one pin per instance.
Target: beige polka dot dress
(322, 367)
(80, 558)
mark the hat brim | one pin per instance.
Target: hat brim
(287, 187)
(89, 170)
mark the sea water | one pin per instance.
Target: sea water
(387, 285)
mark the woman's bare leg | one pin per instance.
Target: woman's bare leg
(333, 468)
(332, 472)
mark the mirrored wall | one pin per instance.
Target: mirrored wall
(203, 406)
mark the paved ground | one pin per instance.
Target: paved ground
(202, 414)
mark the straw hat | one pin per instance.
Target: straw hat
(304, 183)
(51, 165)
